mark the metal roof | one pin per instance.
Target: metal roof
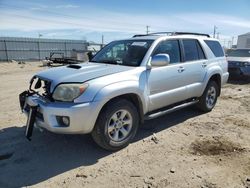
(245, 34)
(25, 39)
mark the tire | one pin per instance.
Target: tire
(116, 125)
(209, 97)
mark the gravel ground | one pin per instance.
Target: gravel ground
(182, 149)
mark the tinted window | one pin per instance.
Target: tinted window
(215, 48)
(239, 53)
(190, 50)
(170, 47)
(200, 51)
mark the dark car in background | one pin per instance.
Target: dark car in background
(239, 62)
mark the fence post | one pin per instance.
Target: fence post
(65, 47)
(6, 50)
(38, 45)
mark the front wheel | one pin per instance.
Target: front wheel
(209, 97)
(116, 125)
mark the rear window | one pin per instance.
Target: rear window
(215, 47)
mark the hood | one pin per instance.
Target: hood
(240, 59)
(78, 73)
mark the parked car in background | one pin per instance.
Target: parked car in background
(238, 62)
(125, 83)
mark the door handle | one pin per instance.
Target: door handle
(204, 65)
(181, 69)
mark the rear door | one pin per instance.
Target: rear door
(195, 67)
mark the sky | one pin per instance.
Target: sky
(118, 19)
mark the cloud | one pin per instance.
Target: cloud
(213, 19)
(124, 24)
(39, 7)
(67, 6)
(238, 23)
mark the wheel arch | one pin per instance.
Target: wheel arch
(213, 74)
(216, 78)
(133, 98)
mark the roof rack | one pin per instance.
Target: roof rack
(172, 34)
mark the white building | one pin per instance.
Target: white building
(244, 41)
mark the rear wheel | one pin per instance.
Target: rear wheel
(116, 125)
(209, 97)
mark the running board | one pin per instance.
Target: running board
(160, 113)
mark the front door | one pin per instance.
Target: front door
(166, 85)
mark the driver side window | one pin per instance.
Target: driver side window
(170, 47)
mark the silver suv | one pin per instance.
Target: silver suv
(125, 83)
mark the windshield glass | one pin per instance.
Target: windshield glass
(239, 53)
(124, 52)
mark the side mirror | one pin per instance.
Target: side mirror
(160, 60)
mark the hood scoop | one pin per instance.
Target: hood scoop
(74, 66)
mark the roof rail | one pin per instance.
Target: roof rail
(141, 35)
(173, 34)
(190, 33)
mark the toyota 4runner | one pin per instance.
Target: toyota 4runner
(125, 83)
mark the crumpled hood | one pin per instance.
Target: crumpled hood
(79, 73)
(240, 59)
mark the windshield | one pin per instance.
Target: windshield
(124, 52)
(239, 53)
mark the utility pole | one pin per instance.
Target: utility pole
(102, 41)
(229, 44)
(224, 42)
(215, 28)
(218, 35)
(147, 29)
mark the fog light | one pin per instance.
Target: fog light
(63, 121)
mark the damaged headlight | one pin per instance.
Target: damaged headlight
(68, 92)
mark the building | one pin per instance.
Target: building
(244, 41)
(18, 48)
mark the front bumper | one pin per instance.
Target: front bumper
(235, 70)
(224, 79)
(82, 116)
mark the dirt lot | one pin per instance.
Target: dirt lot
(182, 149)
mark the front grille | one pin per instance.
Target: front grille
(41, 87)
(238, 63)
(234, 63)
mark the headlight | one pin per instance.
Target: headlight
(246, 64)
(68, 92)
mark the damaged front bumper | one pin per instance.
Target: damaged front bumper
(31, 115)
(49, 115)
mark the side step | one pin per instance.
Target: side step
(160, 113)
